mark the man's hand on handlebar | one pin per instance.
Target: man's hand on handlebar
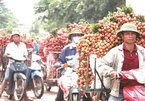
(114, 75)
(65, 65)
(6, 55)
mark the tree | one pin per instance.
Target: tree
(6, 17)
(35, 27)
(55, 13)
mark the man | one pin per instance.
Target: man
(69, 55)
(15, 48)
(124, 57)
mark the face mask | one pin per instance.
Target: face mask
(75, 39)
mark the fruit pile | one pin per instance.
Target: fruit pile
(101, 37)
(4, 40)
(29, 43)
(52, 46)
(56, 44)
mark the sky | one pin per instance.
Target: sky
(23, 9)
(137, 5)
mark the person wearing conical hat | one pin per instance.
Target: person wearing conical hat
(124, 57)
(69, 55)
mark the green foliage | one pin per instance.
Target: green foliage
(83, 22)
(54, 32)
(128, 9)
(140, 18)
(111, 17)
(95, 28)
(6, 17)
(55, 13)
(8, 30)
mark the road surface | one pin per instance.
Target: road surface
(46, 97)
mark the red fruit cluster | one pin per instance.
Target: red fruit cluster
(4, 40)
(87, 29)
(29, 43)
(99, 39)
(56, 44)
(77, 26)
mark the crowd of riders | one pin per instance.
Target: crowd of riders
(124, 57)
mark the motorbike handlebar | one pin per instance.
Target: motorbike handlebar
(65, 65)
(16, 60)
(117, 77)
(128, 75)
(120, 77)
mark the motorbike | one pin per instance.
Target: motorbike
(136, 91)
(68, 83)
(35, 76)
(17, 80)
(43, 66)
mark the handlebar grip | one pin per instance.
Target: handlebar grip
(117, 77)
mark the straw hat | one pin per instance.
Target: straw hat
(75, 31)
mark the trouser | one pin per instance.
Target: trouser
(28, 75)
(120, 98)
(59, 96)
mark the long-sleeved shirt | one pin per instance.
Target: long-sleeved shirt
(67, 53)
(113, 61)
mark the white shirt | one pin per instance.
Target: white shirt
(15, 50)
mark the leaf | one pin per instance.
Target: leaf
(95, 28)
